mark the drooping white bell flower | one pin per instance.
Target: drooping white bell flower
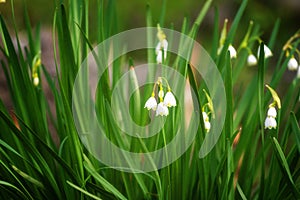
(270, 123)
(36, 81)
(170, 100)
(272, 112)
(267, 50)
(162, 110)
(207, 126)
(292, 64)
(205, 116)
(161, 48)
(151, 103)
(251, 60)
(232, 51)
(206, 121)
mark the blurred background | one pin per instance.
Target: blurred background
(132, 14)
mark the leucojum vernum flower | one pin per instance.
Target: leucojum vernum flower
(207, 109)
(291, 52)
(165, 100)
(252, 59)
(231, 49)
(35, 76)
(162, 46)
(270, 121)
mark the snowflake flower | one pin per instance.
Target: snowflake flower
(267, 50)
(169, 99)
(151, 103)
(206, 121)
(251, 60)
(293, 64)
(232, 51)
(162, 110)
(270, 123)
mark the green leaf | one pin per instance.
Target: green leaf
(108, 186)
(83, 191)
(285, 167)
(296, 129)
(28, 177)
(9, 185)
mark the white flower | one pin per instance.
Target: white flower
(162, 110)
(268, 52)
(272, 112)
(159, 57)
(205, 116)
(232, 51)
(292, 64)
(169, 100)
(206, 121)
(270, 123)
(160, 47)
(298, 72)
(207, 126)
(151, 103)
(251, 60)
(36, 81)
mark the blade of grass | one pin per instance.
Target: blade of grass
(83, 191)
(284, 167)
(109, 187)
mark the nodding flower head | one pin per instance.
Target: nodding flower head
(36, 79)
(232, 51)
(208, 106)
(162, 46)
(251, 60)
(292, 64)
(169, 99)
(151, 103)
(35, 68)
(206, 121)
(272, 112)
(162, 109)
(270, 123)
(267, 51)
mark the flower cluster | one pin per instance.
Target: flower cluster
(165, 100)
(252, 59)
(270, 121)
(162, 46)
